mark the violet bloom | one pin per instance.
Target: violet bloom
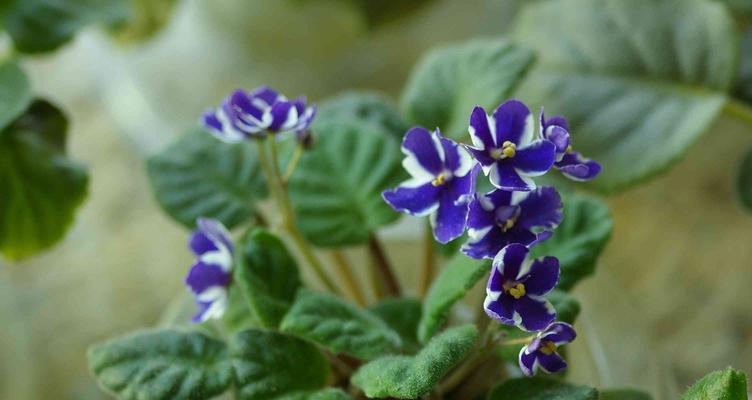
(514, 295)
(571, 163)
(252, 114)
(507, 148)
(443, 180)
(541, 353)
(211, 274)
(498, 218)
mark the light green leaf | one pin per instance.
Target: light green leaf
(200, 176)
(638, 80)
(166, 364)
(40, 189)
(269, 365)
(44, 25)
(267, 275)
(339, 326)
(458, 276)
(239, 315)
(448, 82)
(744, 181)
(623, 394)
(402, 315)
(336, 189)
(365, 107)
(325, 394)
(726, 384)
(406, 377)
(541, 389)
(16, 94)
(580, 238)
(567, 307)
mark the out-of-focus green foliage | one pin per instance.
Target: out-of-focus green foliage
(623, 394)
(147, 17)
(727, 384)
(541, 389)
(448, 82)
(402, 315)
(378, 12)
(639, 80)
(200, 176)
(744, 83)
(744, 181)
(364, 107)
(16, 94)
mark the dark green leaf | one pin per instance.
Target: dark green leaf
(743, 88)
(15, 95)
(638, 80)
(239, 315)
(567, 307)
(270, 365)
(406, 377)
(336, 189)
(402, 315)
(40, 189)
(458, 276)
(267, 275)
(165, 364)
(339, 326)
(744, 181)
(448, 82)
(325, 394)
(541, 389)
(200, 176)
(580, 238)
(44, 25)
(727, 384)
(623, 394)
(365, 107)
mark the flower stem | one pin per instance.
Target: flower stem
(382, 265)
(345, 271)
(514, 342)
(271, 171)
(427, 270)
(293, 163)
(739, 110)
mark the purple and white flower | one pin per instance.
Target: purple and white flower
(506, 146)
(211, 274)
(442, 183)
(517, 286)
(571, 163)
(252, 114)
(541, 353)
(499, 217)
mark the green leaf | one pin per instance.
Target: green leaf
(267, 275)
(580, 238)
(448, 82)
(638, 80)
(166, 364)
(200, 176)
(743, 88)
(325, 394)
(744, 181)
(40, 189)
(16, 94)
(365, 107)
(567, 307)
(402, 315)
(455, 279)
(44, 25)
(239, 315)
(270, 365)
(623, 394)
(726, 384)
(339, 326)
(406, 377)
(541, 389)
(336, 188)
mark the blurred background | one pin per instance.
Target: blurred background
(670, 300)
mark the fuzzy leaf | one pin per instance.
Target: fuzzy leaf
(448, 82)
(336, 188)
(402, 315)
(166, 364)
(623, 394)
(269, 365)
(567, 307)
(267, 275)
(40, 189)
(638, 80)
(200, 176)
(339, 326)
(726, 384)
(16, 94)
(541, 389)
(365, 107)
(325, 394)
(744, 181)
(409, 377)
(458, 276)
(580, 238)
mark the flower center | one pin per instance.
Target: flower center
(569, 149)
(440, 180)
(517, 291)
(507, 150)
(506, 217)
(508, 224)
(548, 348)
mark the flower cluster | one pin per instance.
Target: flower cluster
(506, 222)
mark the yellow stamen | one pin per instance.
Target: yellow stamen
(440, 180)
(548, 348)
(569, 149)
(509, 149)
(508, 224)
(517, 291)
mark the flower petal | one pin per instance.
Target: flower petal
(550, 363)
(264, 97)
(215, 231)
(543, 276)
(203, 276)
(449, 221)
(492, 240)
(560, 333)
(480, 132)
(576, 167)
(533, 314)
(456, 157)
(528, 361)
(418, 200)
(509, 260)
(504, 176)
(535, 159)
(424, 153)
(513, 122)
(559, 137)
(482, 157)
(541, 208)
(500, 309)
(284, 116)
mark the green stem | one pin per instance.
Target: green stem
(346, 272)
(739, 110)
(514, 342)
(382, 265)
(293, 162)
(427, 270)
